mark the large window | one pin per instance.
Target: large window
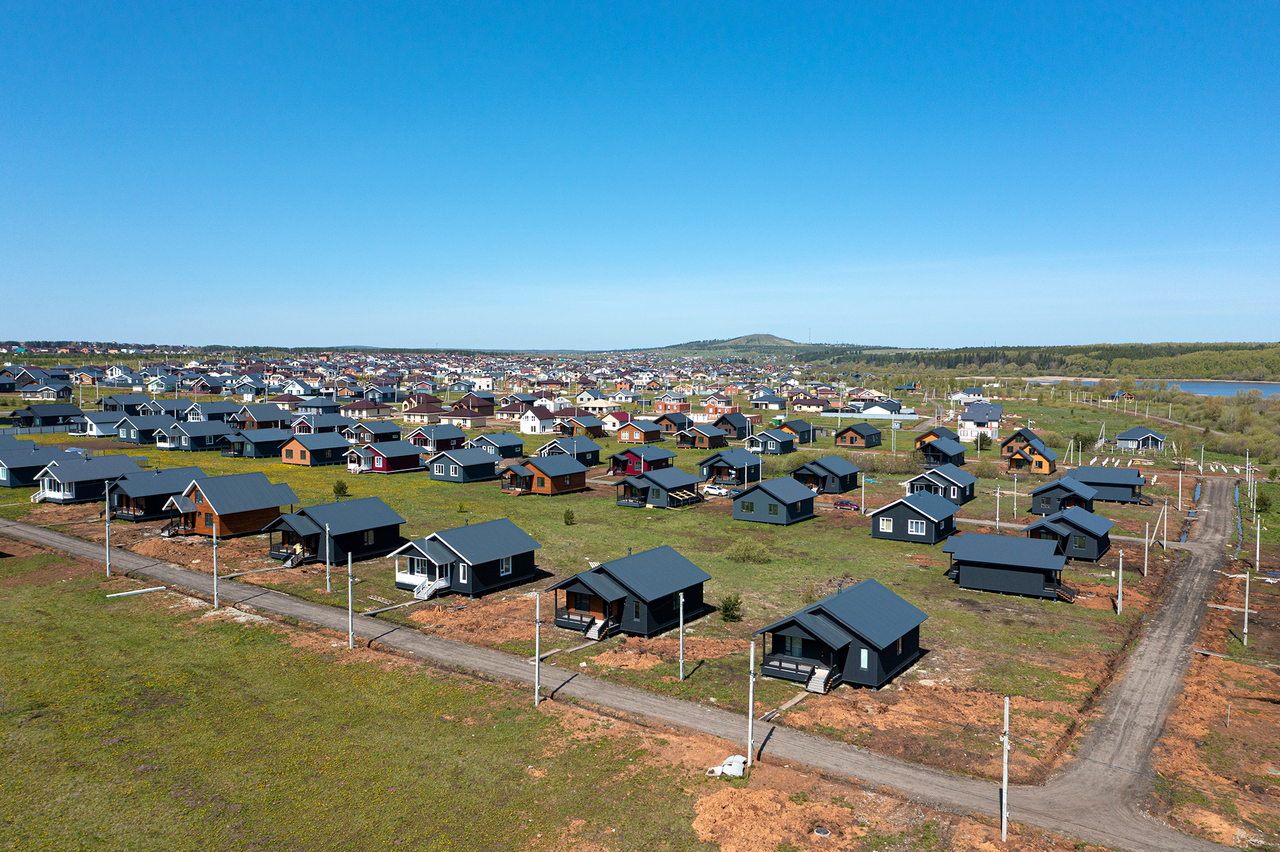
(1079, 542)
(792, 646)
(417, 565)
(864, 659)
(886, 525)
(915, 527)
(453, 470)
(748, 507)
(438, 470)
(773, 508)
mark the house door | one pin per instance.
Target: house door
(445, 572)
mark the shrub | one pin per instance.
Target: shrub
(986, 469)
(747, 551)
(1271, 474)
(731, 607)
(569, 519)
(463, 508)
(340, 489)
(1263, 502)
(808, 593)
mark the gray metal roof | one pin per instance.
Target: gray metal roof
(1070, 484)
(148, 421)
(983, 411)
(736, 458)
(930, 505)
(73, 467)
(600, 583)
(265, 411)
(1108, 476)
(1006, 551)
(1138, 432)
(866, 609)
(25, 457)
(499, 439)
(646, 453)
(557, 465)
(486, 542)
(466, 456)
(572, 444)
(834, 465)
(244, 492)
(377, 427)
(949, 472)
(396, 449)
(439, 432)
(9, 442)
(866, 430)
(784, 489)
(772, 434)
(348, 516)
(151, 483)
(263, 436)
(519, 470)
(946, 446)
(198, 428)
(298, 523)
(1083, 519)
(669, 478)
(653, 574)
(326, 441)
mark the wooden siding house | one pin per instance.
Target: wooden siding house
(547, 476)
(735, 424)
(860, 436)
(471, 560)
(315, 450)
(774, 501)
(20, 466)
(385, 457)
(376, 432)
(669, 488)
(321, 424)
(673, 422)
(1023, 450)
(981, 418)
(934, 434)
(804, 432)
(236, 504)
(580, 426)
(362, 529)
(639, 432)
(735, 467)
(863, 635)
(145, 495)
(638, 594)
(827, 475)
(1079, 534)
(637, 460)
(922, 518)
(701, 438)
(142, 428)
(261, 416)
(1140, 439)
(1008, 564)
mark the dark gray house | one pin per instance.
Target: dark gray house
(731, 467)
(579, 447)
(774, 501)
(125, 403)
(1140, 439)
(738, 427)
(947, 481)
(465, 465)
(864, 635)
(470, 560)
(827, 475)
(20, 468)
(504, 445)
(192, 437)
(638, 594)
(921, 517)
(1008, 564)
(143, 496)
(1112, 484)
(667, 488)
(362, 528)
(772, 442)
(1052, 497)
(1079, 534)
(142, 428)
(77, 479)
(53, 414)
(941, 451)
(211, 409)
(175, 408)
(372, 432)
(257, 443)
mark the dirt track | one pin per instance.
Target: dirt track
(1095, 798)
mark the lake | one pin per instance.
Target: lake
(1225, 388)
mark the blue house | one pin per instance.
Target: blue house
(1112, 484)
(946, 481)
(142, 428)
(921, 517)
(1008, 564)
(504, 445)
(666, 488)
(1079, 534)
(731, 467)
(470, 560)
(772, 442)
(1059, 494)
(827, 475)
(465, 465)
(774, 501)
(1140, 439)
(941, 451)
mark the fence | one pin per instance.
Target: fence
(35, 430)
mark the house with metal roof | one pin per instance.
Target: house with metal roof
(1008, 564)
(463, 465)
(701, 437)
(804, 432)
(667, 488)
(9, 442)
(257, 443)
(1062, 493)
(144, 496)
(636, 460)
(1079, 534)
(772, 442)
(580, 424)
(735, 424)
(438, 437)
(193, 437)
(95, 424)
(361, 529)
(768, 402)
(76, 478)
(827, 475)
(639, 594)
(548, 476)
(210, 409)
(941, 451)
(774, 501)
(321, 424)
(20, 467)
(981, 418)
(315, 449)
(51, 414)
(933, 434)
(175, 408)
(125, 403)
(922, 517)
(235, 504)
(470, 560)
(947, 481)
(142, 428)
(673, 422)
(581, 448)
(504, 445)
(1023, 450)
(1113, 484)
(639, 432)
(1140, 439)
(372, 432)
(859, 436)
(385, 457)
(731, 467)
(261, 416)
(863, 635)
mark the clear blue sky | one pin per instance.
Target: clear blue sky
(639, 174)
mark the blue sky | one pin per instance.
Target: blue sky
(626, 175)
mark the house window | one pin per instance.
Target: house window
(542, 482)
(915, 527)
(566, 480)
(773, 508)
(199, 498)
(302, 454)
(504, 568)
(955, 492)
(886, 525)
(368, 538)
(864, 659)
(748, 507)
(1044, 502)
(462, 572)
(635, 610)
(417, 565)
(438, 470)
(773, 445)
(792, 646)
(1078, 542)
(453, 470)
(899, 646)
(1039, 464)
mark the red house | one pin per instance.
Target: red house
(637, 460)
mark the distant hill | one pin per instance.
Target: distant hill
(746, 341)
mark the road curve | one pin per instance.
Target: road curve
(1091, 801)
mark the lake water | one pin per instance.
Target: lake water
(1227, 388)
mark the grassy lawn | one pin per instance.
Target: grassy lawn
(183, 731)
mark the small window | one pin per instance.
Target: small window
(302, 454)
(864, 659)
(886, 525)
(566, 480)
(453, 470)
(1078, 542)
(899, 646)
(773, 508)
(377, 461)
(199, 498)
(438, 470)
(955, 492)
(748, 507)
(915, 527)
(1044, 502)
(462, 572)
(368, 538)
(635, 610)
(504, 569)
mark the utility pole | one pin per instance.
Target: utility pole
(108, 494)
(351, 618)
(1146, 541)
(215, 564)
(1120, 595)
(1004, 783)
(328, 587)
(998, 510)
(1257, 555)
(1166, 524)
(682, 637)
(1179, 487)
(751, 703)
(537, 648)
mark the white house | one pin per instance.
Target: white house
(537, 421)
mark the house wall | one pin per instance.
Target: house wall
(235, 523)
(556, 484)
(21, 477)
(385, 540)
(997, 579)
(484, 577)
(901, 514)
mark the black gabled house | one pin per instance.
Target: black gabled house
(361, 529)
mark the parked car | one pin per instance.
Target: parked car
(848, 505)
(716, 491)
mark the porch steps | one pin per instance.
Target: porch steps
(819, 681)
(167, 530)
(1067, 593)
(292, 560)
(427, 588)
(595, 630)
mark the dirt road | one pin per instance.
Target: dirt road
(1094, 798)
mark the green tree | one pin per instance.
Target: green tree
(340, 489)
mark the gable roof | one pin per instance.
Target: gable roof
(485, 542)
(572, 445)
(467, 456)
(26, 457)
(772, 435)
(648, 454)
(149, 483)
(323, 441)
(833, 465)
(1108, 476)
(736, 457)
(348, 516)
(1081, 519)
(262, 436)
(932, 506)
(498, 439)
(1139, 432)
(669, 478)
(941, 432)
(734, 419)
(650, 575)
(867, 609)
(949, 472)
(242, 492)
(1070, 484)
(395, 449)
(438, 432)
(74, 467)
(866, 430)
(560, 464)
(1007, 551)
(945, 446)
(783, 489)
(984, 411)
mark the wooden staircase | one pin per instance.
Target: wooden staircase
(427, 588)
(595, 630)
(819, 681)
